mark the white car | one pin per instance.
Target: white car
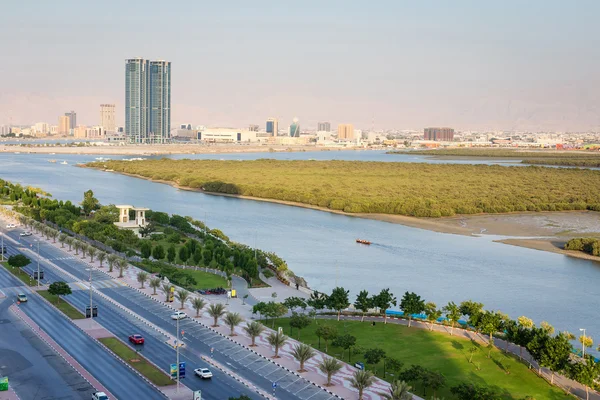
(203, 373)
(10, 226)
(178, 315)
(99, 396)
(25, 233)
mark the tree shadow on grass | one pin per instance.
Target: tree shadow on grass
(457, 345)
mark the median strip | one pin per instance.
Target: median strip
(136, 361)
(19, 274)
(63, 306)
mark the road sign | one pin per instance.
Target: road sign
(3, 384)
(181, 370)
(198, 395)
(274, 385)
(173, 371)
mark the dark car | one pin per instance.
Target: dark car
(136, 339)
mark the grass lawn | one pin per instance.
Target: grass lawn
(156, 376)
(206, 280)
(62, 305)
(22, 276)
(446, 354)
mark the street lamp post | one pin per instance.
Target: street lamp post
(583, 343)
(177, 350)
(2, 248)
(38, 262)
(91, 304)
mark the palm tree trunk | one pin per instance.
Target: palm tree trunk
(360, 394)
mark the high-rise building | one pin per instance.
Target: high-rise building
(346, 131)
(72, 119)
(41, 127)
(80, 132)
(324, 127)
(295, 128)
(147, 100)
(439, 134)
(272, 126)
(159, 106)
(64, 125)
(107, 117)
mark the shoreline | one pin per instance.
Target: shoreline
(465, 225)
(548, 245)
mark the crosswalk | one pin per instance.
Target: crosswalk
(101, 284)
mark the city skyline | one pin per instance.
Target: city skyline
(493, 66)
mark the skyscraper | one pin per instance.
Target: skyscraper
(107, 117)
(295, 128)
(324, 127)
(346, 131)
(439, 134)
(147, 100)
(272, 126)
(64, 125)
(72, 119)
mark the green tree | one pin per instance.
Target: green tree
(489, 323)
(276, 340)
(274, 310)
(327, 332)
(171, 253)
(555, 355)
(299, 321)
(473, 310)
(432, 380)
(101, 257)
(183, 254)
(586, 372)
(166, 288)
(232, 319)
(338, 300)
(59, 289)
(471, 391)
(453, 314)
(89, 203)
(182, 295)
(586, 341)
(122, 264)
(383, 301)
(154, 284)
(374, 355)
(303, 352)
(158, 252)
(363, 303)
(142, 277)
(399, 390)
(146, 249)
(112, 260)
(345, 341)
(216, 311)
(198, 304)
(361, 380)
(254, 329)
(18, 261)
(394, 365)
(330, 366)
(92, 253)
(293, 303)
(411, 303)
(432, 313)
(317, 301)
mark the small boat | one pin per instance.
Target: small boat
(64, 163)
(362, 241)
(52, 161)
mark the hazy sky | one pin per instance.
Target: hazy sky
(522, 64)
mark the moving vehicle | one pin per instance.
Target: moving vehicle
(22, 297)
(178, 315)
(99, 396)
(26, 233)
(203, 373)
(362, 241)
(9, 226)
(136, 339)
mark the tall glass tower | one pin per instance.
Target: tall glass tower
(147, 100)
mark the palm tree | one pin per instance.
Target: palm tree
(182, 295)
(112, 259)
(122, 265)
(83, 247)
(62, 239)
(303, 352)
(101, 257)
(233, 320)
(361, 380)
(216, 310)
(398, 391)
(276, 340)
(77, 246)
(70, 242)
(198, 304)
(92, 252)
(254, 329)
(142, 277)
(166, 289)
(154, 284)
(53, 235)
(329, 366)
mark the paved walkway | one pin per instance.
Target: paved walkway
(59, 350)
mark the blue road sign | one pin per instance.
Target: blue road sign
(274, 385)
(181, 370)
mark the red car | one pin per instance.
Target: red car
(136, 339)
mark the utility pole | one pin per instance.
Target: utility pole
(2, 248)
(91, 305)
(38, 263)
(177, 349)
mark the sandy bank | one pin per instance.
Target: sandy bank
(555, 245)
(147, 150)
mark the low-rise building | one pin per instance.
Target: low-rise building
(227, 135)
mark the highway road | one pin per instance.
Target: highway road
(246, 364)
(121, 380)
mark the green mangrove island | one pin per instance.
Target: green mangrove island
(410, 189)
